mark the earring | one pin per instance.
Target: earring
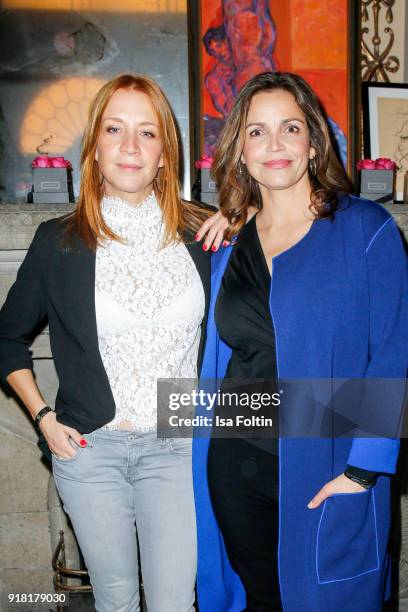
(240, 170)
(313, 166)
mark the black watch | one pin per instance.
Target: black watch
(42, 414)
(363, 482)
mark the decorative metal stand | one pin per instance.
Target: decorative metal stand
(62, 573)
(376, 63)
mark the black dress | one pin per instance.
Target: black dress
(243, 472)
(244, 322)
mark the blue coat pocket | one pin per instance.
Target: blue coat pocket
(347, 538)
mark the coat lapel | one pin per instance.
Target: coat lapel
(202, 262)
(78, 276)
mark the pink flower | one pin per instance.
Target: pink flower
(205, 162)
(42, 161)
(60, 162)
(383, 163)
(366, 164)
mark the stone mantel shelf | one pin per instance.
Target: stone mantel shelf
(18, 222)
(24, 207)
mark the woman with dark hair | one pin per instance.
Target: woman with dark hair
(124, 288)
(315, 287)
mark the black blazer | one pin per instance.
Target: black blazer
(56, 283)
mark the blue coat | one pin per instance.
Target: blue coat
(339, 305)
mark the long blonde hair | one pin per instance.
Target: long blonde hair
(178, 216)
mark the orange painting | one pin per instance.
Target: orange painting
(317, 39)
(308, 37)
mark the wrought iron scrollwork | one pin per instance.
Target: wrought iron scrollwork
(376, 63)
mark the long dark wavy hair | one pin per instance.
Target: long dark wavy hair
(238, 190)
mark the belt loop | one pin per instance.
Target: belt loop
(91, 439)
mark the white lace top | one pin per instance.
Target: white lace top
(149, 307)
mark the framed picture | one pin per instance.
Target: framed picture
(314, 39)
(385, 125)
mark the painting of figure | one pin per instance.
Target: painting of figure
(242, 38)
(241, 45)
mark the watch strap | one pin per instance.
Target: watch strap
(363, 482)
(41, 414)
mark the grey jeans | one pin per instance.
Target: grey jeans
(123, 484)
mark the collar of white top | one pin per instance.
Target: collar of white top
(113, 206)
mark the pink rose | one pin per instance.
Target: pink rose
(383, 163)
(42, 161)
(205, 162)
(60, 162)
(366, 164)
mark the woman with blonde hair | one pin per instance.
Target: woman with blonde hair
(124, 288)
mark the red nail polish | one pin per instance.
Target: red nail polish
(225, 243)
(213, 248)
(205, 247)
(197, 237)
(83, 442)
